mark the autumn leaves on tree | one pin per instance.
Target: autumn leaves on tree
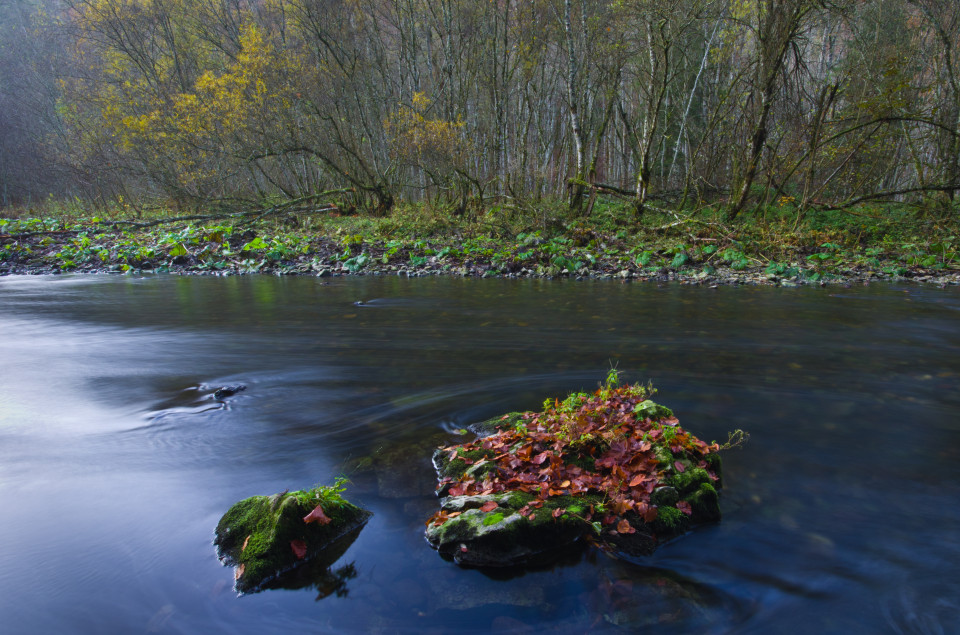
(678, 103)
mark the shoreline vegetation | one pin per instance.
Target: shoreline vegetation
(829, 247)
(707, 141)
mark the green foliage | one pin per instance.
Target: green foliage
(323, 494)
(356, 263)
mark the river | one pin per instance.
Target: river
(840, 513)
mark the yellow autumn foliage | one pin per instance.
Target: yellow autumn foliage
(434, 144)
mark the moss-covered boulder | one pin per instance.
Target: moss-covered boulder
(267, 536)
(612, 467)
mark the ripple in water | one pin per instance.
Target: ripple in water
(924, 606)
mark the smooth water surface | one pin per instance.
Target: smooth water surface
(840, 514)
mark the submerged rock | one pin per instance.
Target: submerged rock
(266, 536)
(228, 391)
(613, 467)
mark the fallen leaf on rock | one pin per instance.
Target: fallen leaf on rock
(684, 506)
(317, 516)
(625, 527)
(238, 572)
(679, 466)
(245, 543)
(299, 548)
(557, 513)
(489, 506)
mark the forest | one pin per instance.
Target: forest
(676, 104)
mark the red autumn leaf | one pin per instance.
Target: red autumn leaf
(625, 527)
(679, 466)
(684, 506)
(317, 516)
(540, 458)
(299, 548)
(489, 506)
(557, 513)
(532, 516)
(636, 480)
(455, 491)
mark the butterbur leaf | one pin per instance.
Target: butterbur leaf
(489, 506)
(684, 506)
(317, 516)
(299, 548)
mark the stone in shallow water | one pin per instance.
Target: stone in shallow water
(641, 480)
(265, 537)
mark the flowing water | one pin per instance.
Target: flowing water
(840, 514)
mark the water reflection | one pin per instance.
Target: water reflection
(839, 514)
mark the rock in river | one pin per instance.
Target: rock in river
(267, 536)
(612, 467)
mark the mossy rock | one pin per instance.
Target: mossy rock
(266, 536)
(670, 488)
(495, 424)
(510, 534)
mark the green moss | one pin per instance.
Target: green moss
(492, 519)
(516, 500)
(455, 468)
(663, 454)
(665, 497)
(688, 481)
(491, 426)
(705, 503)
(669, 518)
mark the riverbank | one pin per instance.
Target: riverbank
(689, 251)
